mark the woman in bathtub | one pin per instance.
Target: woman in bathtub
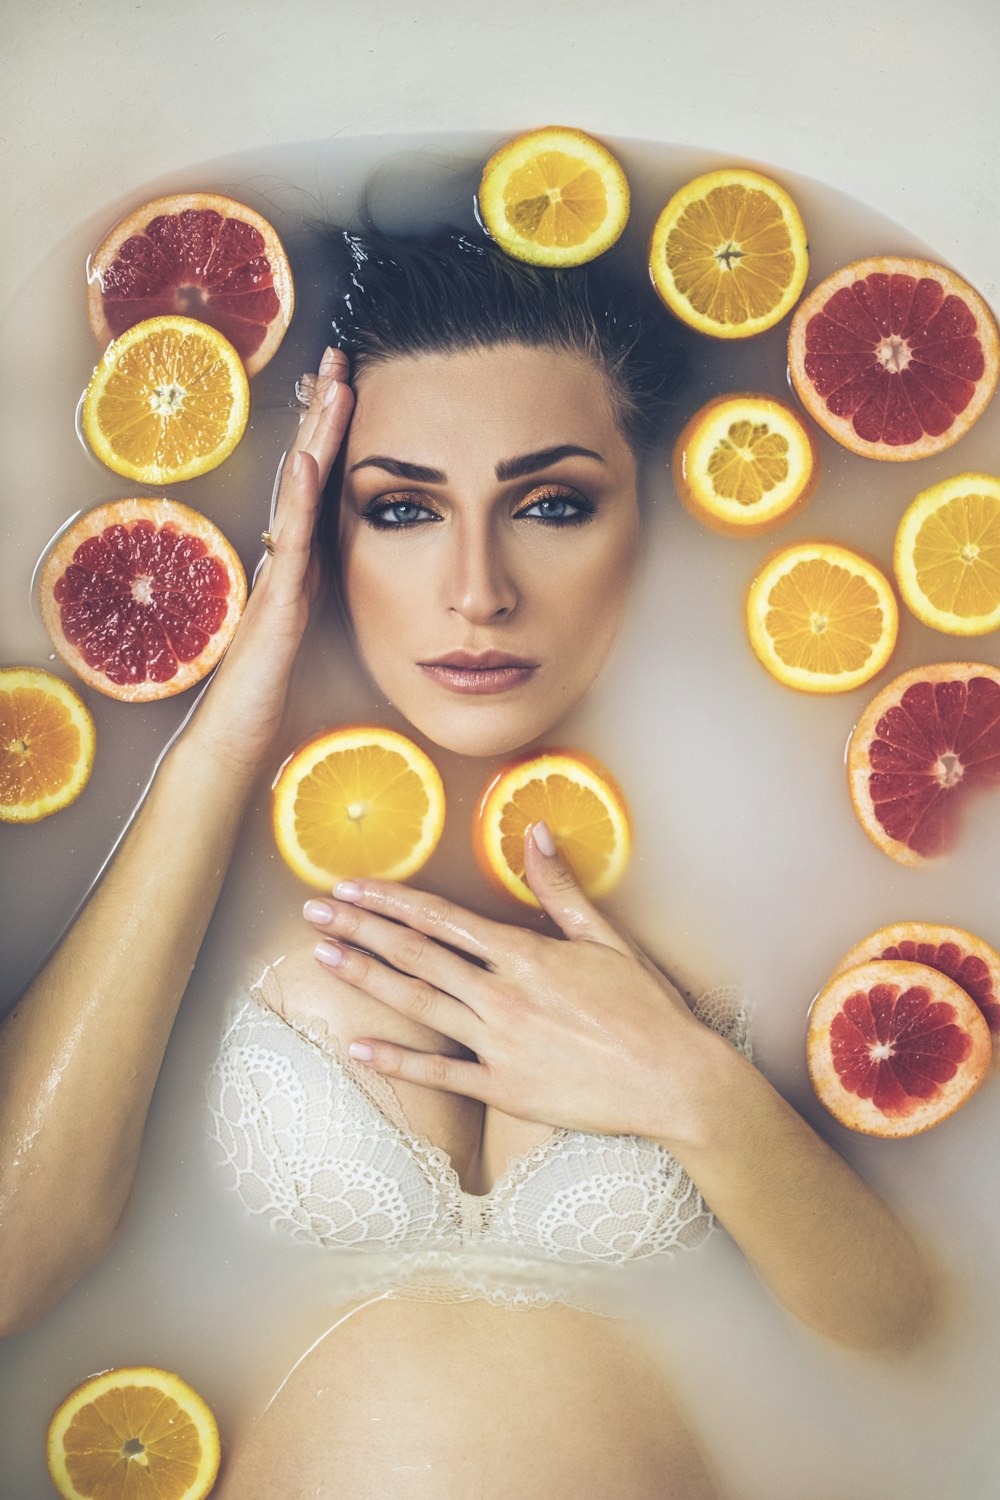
(487, 1079)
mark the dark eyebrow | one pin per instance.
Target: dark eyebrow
(508, 468)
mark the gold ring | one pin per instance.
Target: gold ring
(269, 544)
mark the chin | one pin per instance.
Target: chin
(480, 735)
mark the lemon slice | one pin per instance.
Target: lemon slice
(744, 464)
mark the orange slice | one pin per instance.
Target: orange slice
(894, 358)
(168, 401)
(580, 802)
(961, 955)
(203, 256)
(554, 197)
(947, 555)
(744, 464)
(821, 618)
(894, 1048)
(133, 1434)
(362, 802)
(46, 744)
(142, 597)
(922, 744)
(729, 254)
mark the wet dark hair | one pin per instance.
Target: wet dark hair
(446, 292)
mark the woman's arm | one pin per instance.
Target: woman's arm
(80, 1053)
(588, 1034)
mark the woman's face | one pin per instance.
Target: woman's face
(488, 531)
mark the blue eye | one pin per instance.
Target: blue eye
(557, 509)
(396, 515)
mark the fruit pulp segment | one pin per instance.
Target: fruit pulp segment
(956, 555)
(555, 200)
(895, 355)
(730, 254)
(824, 618)
(364, 808)
(939, 737)
(201, 265)
(896, 1047)
(137, 600)
(100, 1464)
(39, 746)
(748, 462)
(578, 819)
(967, 969)
(169, 398)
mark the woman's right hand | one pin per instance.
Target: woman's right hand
(242, 709)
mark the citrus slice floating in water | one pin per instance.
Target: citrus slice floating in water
(821, 618)
(142, 597)
(894, 1048)
(168, 401)
(46, 744)
(947, 555)
(961, 955)
(361, 802)
(199, 255)
(554, 197)
(582, 805)
(923, 742)
(133, 1433)
(728, 254)
(894, 358)
(744, 464)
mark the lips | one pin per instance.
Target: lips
(479, 671)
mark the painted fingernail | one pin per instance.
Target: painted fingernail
(327, 361)
(317, 911)
(347, 890)
(328, 953)
(544, 842)
(361, 1051)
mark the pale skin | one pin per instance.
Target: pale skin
(578, 1028)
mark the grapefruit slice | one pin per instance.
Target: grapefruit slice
(894, 1048)
(744, 464)
(728, 254)
(894, 358)
(133, 1433)
(947, 555)
(361, 802)
(922, 743)
(581, 803)
(961, 955)
(199, 255)
(142, 597)
(46, 744)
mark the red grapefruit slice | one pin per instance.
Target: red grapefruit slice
(894, 1048)
(921, 744)
(894, 358)
(200, 255)
(142, 597)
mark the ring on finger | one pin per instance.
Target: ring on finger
(270, 546)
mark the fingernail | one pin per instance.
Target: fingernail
(317, 911)
(327, 360)
(330, 394)
(347, 890)
(298, 463)
(544, 842)
(328, 953)
(361, 1051)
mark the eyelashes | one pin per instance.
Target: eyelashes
(550, 506)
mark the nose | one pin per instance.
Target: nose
(480, 586)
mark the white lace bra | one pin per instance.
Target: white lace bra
(319, 1146)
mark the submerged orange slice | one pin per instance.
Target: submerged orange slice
(821, 618)
(947, 555)
(168, 401)
(554, 197)
(744, 464)
(361, 802)
(582, 805)
(729, 254)
(46, 744)
(133, 1434)
(894, 1048)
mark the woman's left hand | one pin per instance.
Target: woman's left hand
(581, 1031)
